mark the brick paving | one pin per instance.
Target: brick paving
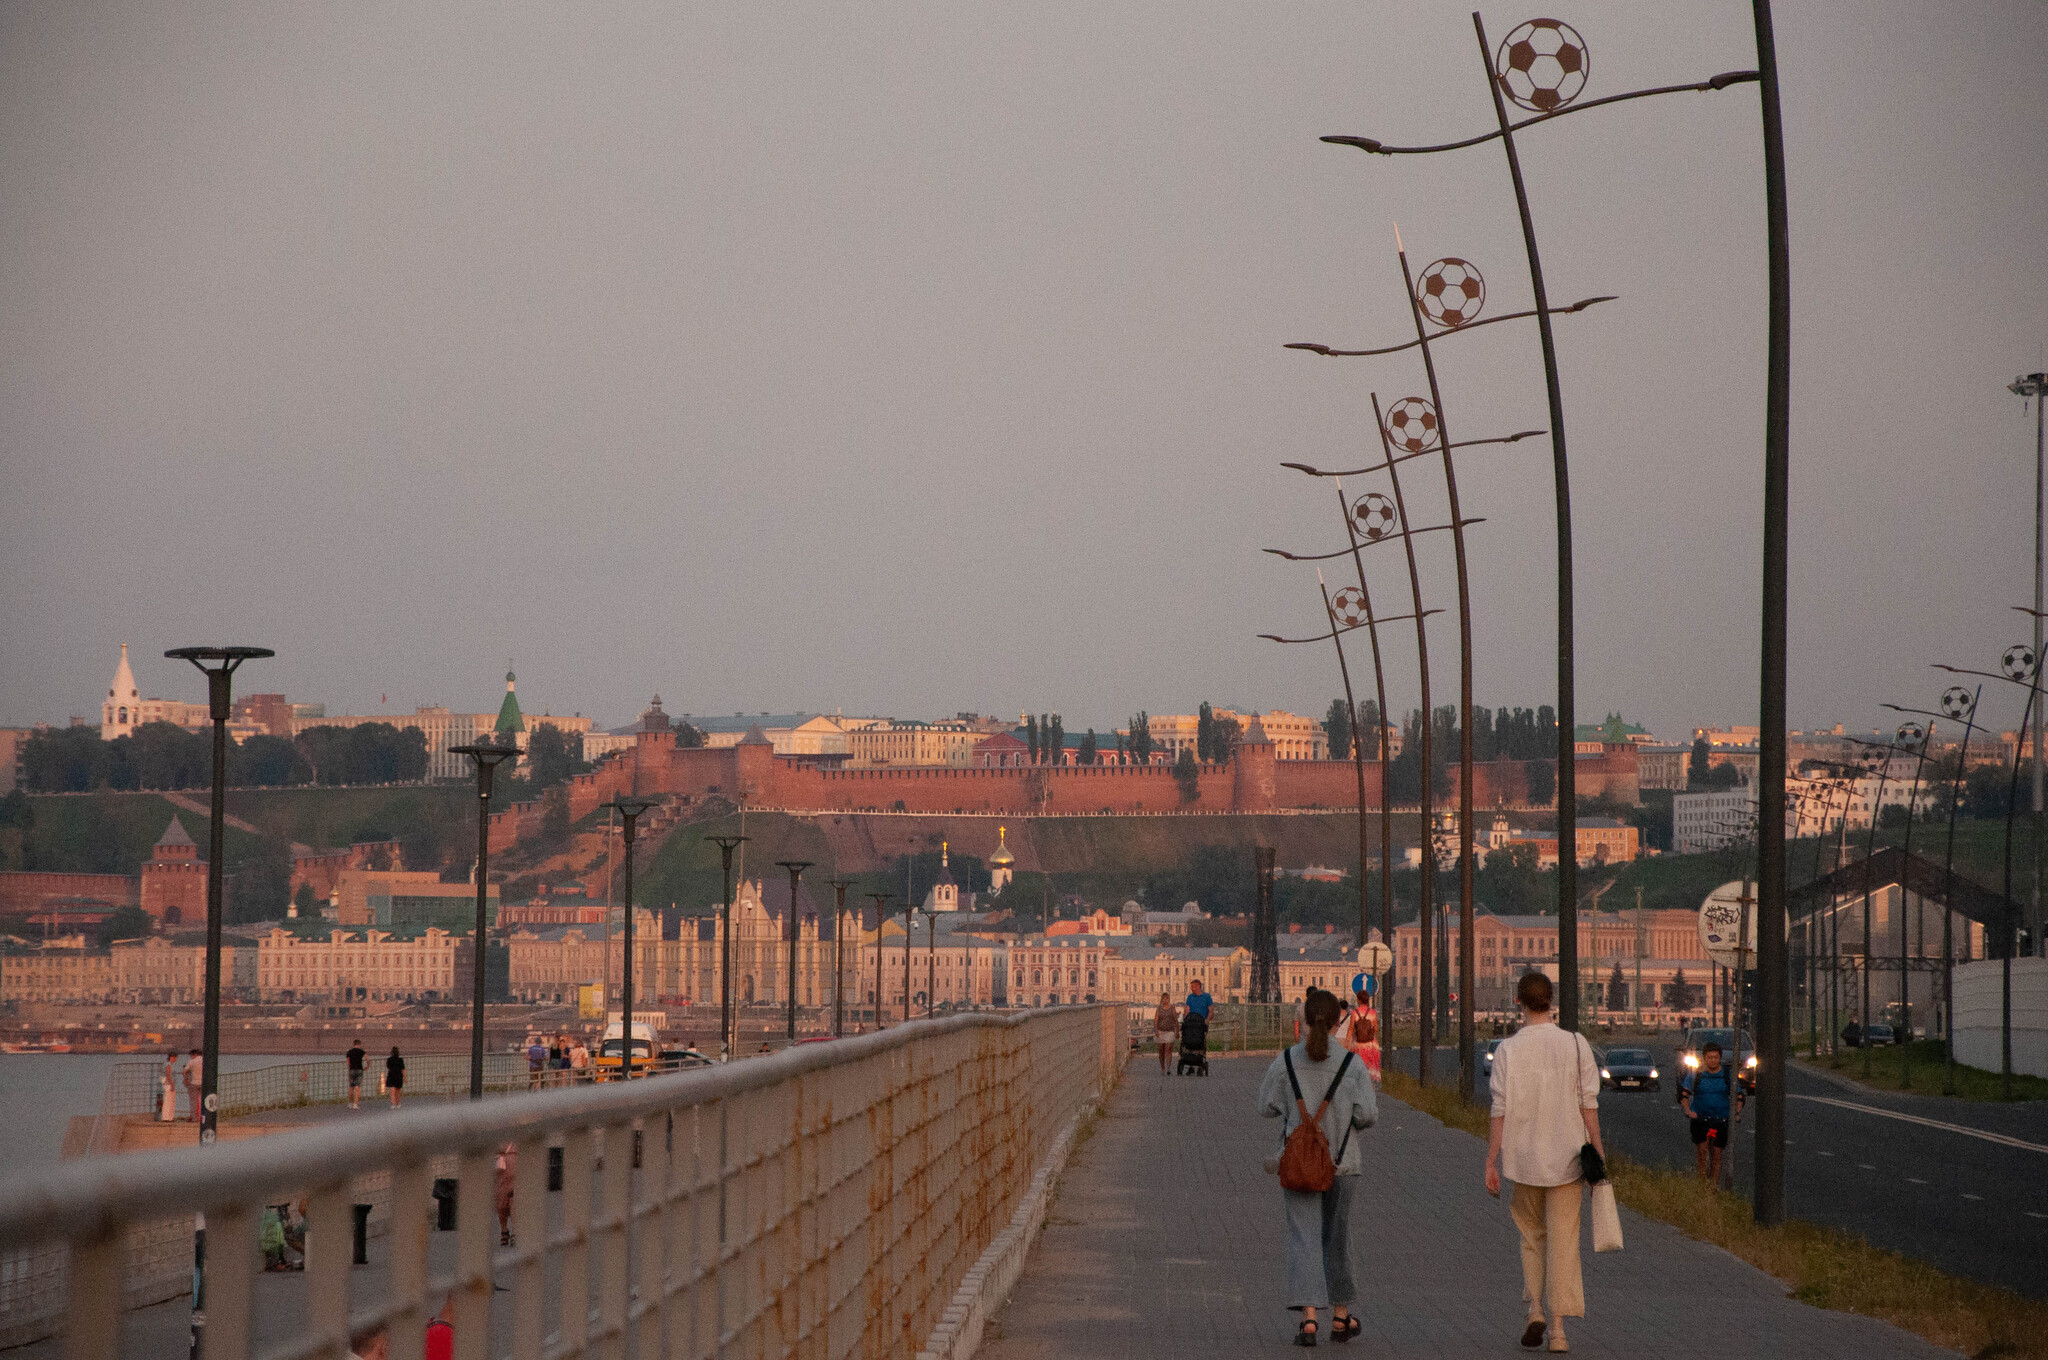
(1164, 1239)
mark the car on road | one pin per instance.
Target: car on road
(1629, 1069)
(1700, 1036)
(1486, 1048)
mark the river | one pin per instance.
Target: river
(40, 1092)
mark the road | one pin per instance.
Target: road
(1954, 1191)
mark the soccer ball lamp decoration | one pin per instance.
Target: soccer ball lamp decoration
(2018, 662)
(1349, 606)
(1411, 425)
(1451, 292)
(1911, 735)
(1375, 516)
(1955, 701)
(1543, 65)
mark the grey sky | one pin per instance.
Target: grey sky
(920, 357)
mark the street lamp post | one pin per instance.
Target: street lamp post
(2035, 385)
(839, 887)
(881, 901)
(629, 810)
(726, 845)
(219, 694)
(486, 758)
(931, 962)
(793, 933)
(909, 918)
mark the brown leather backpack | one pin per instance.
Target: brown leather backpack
(1305, 1162)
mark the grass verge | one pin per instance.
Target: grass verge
(1825, 1267)
(1928, 1069)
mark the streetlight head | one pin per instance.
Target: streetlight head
(1312, 349)
(1362, 143)
(2031, 385)
(632, 807)
(231, 656)
(1303, 467)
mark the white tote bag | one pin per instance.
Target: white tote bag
(1606, 1218)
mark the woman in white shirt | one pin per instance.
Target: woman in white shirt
(1546, 1097)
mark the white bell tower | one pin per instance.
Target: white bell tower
(121, 713)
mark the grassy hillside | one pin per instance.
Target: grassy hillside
(332, 819)
(110, 833)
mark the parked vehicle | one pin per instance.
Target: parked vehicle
(1880, 1035)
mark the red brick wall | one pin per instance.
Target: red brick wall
(174, 890)
(22, 892)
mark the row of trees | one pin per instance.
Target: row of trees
(163, 755)
(1497, 733)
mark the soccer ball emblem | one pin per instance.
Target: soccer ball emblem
(1451, 292)
(1955, 701)
(1911, 735)
(2018, 662)
(1374, 515)
(1411, 424)
(1349, 606)
(1543, 65)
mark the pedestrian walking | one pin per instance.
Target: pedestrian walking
(1199, 1001)
(1546, 1096)
(394, 1075)
(536, 1061)
(167, 1099)
(1710, 1097)
(356, 1055)
(1165, 1024)
(1362, 1033)
(1319, 1166)
(579, 1061)
(501, 1190)
(195, 1082)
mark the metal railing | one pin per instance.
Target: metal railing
(1234, 1026)
(824, 1201)
(134, 1088)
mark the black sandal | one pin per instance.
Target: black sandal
(1307, 1335)
(1346, 1327)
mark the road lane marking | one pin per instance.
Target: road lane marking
(1916, 1180)
(2032, 1214)
(1827, 1154)
(1865, 1166)
(1999, 1138)
(1968, 1195)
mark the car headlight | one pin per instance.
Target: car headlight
(1653, 1074)
(1690, 1061)
(1751, 1062)
(1607, 1075)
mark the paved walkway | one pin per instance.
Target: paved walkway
(1164, 1240)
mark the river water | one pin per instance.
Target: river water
(39, 1092)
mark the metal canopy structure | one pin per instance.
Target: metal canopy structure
(1923, 879)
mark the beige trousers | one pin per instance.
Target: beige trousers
(1548, 1217)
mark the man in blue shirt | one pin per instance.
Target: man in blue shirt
(1199, 1001)
(1706, 1096)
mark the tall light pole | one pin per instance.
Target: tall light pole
(839, 887)
(629, 810)
(486, 758)
(219, 693)
(881, 901)
(726, 845)
(793, 932)
(2035, 385)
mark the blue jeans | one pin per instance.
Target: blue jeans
(1319, 1246)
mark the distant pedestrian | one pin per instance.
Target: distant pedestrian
(536, 1061)
(1319, 1220)
(1546, 1096)
(579, 1061)
(167, 1099)
(1710, 1097)
(1362, 1035)
(195, 1082)
(506, 1173)
(1165, 1024)
(356, 1055)
(394, 1075)
(1852, 1035)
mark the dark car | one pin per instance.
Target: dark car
(1629, 1069)
(1880, 1036)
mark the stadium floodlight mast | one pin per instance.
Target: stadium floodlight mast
(219, 665)
(1543, 66)
(486, 757)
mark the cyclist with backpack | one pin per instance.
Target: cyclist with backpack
(1319, 1165)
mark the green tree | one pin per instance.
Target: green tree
(15, 810)
(64, 760)
(259, 883)
(1141, 737)
(1337, 724)
(689, 736)
(1680, 992)
(127, 923)
(267, 762)
(1617, 989)
(1058, 742)
(305, 901)
(553, 756)
(1188, 776)
(554, 816)
(1205, 733)
(1542, 778)
(1086, 756)
(165, 756)
(1696, 764)
(1031, 738)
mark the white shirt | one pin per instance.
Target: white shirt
(1542, 1078)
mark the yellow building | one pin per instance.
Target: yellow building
(61, 974)
(1138, 972)
(368, 965)
(1293, 736)
(947, 742)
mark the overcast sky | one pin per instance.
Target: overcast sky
(910, 358)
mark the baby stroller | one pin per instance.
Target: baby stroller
(1194, 1045)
